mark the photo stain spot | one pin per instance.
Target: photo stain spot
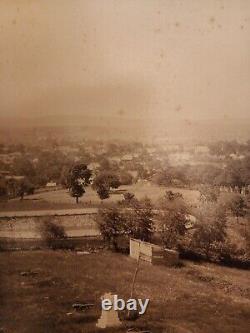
(188, 122)
(158, 30)
(121, 112)
(178, 108)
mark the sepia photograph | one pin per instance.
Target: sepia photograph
(124, 166)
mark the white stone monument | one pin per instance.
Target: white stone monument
(109, 318)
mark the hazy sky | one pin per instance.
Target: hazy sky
(170, 59)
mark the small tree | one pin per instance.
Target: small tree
(103, 191)
(25, 187)
(3, 190)
(78, 178)
(104, 182)
(238, 206)
(112, 225)
(12, 187)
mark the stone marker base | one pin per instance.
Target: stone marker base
(109, 318)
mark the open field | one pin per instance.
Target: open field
(61, 199)
(200, 298)
(28, 224)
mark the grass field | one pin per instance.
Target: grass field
(61, 199)
(200, 298)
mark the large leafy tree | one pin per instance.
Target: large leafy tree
(173, 218)
(210, 230)
(78, 178)
(172, 228)
(134, 221)
(140, 222)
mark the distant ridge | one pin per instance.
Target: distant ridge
(133, 129)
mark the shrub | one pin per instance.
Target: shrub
(246, 236)
(225, 252)
(173, 202)
(52, 234)
(125, 178)
(129, 200)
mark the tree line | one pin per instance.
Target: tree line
(167, 222)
